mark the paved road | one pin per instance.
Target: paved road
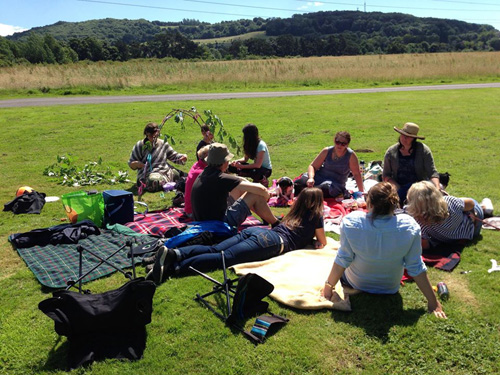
(35, 102)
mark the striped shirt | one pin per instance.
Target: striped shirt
(457, 226)
(161, 152)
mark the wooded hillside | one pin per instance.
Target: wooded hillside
(314, 34)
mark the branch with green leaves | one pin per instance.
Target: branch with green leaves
(67, 173)
(213, 121)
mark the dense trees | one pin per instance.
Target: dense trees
(311, 34)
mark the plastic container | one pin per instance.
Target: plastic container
(442, 291)
(362, 168)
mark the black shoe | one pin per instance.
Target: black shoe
(149, 260)
(165, 259)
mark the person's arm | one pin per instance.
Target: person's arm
(388, 169)
(468, 204)
(431, 172)
(332, 280)
(173, 155)
(250, 187)
(136, 164)
(136, 156)
(354, 166)
(315, 165)
(256, 164)
(236, 163)
(320, 241)
(433, 305)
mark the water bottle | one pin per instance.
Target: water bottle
(362, 168)
(442, 291)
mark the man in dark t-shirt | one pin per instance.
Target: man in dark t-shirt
(213, 187)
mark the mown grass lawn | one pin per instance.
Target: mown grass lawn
(383, 334)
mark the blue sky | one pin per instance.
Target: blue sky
(19, 15)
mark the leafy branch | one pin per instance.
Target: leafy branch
(213, 121)
(92, 173)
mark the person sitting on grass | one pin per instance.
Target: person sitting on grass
(376, 247)
(297, 230)
(151, 164)
(213, 187)
(208, 138)
(255, 149)
(330, 169)
(409, 161)
(193, 173)
(443, 219)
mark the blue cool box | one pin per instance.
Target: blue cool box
(118, 206)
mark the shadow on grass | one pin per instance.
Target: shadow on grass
(377, 314)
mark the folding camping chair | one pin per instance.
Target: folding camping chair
(81, 275)
(247, 293)
(106, 325)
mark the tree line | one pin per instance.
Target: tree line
(314, 34)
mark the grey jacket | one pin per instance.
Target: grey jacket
(424, 162)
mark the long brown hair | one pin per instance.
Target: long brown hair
(309, 201)
(250, 140)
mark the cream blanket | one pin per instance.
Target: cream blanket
(299, 276)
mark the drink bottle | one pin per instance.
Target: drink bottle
(442, 291)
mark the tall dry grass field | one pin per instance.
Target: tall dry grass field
(292, 72)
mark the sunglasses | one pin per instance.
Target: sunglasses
(341, 143)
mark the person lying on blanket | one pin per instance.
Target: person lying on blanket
(152, 167)
(443, 219)
(376, 247)
(297, 229)
(212, 188)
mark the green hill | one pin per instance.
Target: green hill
(108, 29)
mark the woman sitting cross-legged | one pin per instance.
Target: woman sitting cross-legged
(376, 247)
(443, 219)
(255, 149)
(297, 229)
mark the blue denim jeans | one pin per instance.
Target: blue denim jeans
(478, 211)
(250, 245)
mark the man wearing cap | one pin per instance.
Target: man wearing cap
(213, 186)
(409, 161)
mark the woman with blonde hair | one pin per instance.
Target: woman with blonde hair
(376, 247)
(297, 229)
(443, 219)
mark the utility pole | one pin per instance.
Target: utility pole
(365, 6)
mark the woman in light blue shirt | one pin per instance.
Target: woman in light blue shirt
(256, 150)
(375, 248)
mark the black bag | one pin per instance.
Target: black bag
(107, 325)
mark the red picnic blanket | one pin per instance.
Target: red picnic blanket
(160, 222)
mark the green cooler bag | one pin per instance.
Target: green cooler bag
(82, 205)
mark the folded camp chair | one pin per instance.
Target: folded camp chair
(247, 293)
(107, 325)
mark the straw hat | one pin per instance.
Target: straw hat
(218, 154)
(410, 130)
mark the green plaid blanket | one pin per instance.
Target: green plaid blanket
(55, 265)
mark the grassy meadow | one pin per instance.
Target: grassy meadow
(229, 39)
(171, 76)
(383, 334)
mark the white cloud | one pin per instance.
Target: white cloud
(9, 29)
(311, 4)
